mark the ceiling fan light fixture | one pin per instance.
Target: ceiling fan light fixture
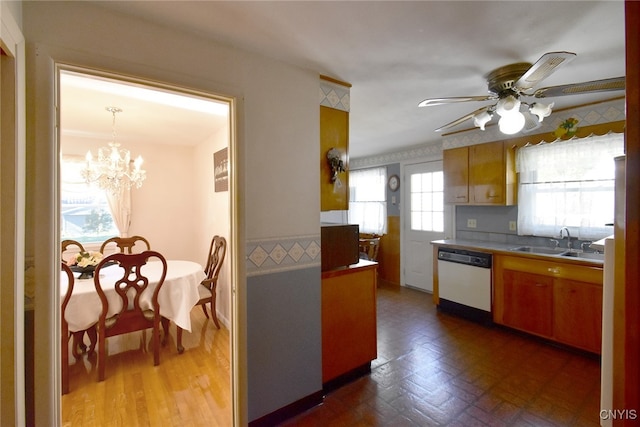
(511, 123)
(480, 120)
(541, 110)
(508, 105)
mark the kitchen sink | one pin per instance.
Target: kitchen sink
(540, 250)
(585, 255)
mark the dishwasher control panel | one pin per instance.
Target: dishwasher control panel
(477, 259)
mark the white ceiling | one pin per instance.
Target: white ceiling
(395, 54)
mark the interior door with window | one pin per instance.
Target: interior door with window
(423, 222)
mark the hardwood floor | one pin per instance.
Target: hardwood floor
(432, 369)
(189, 389)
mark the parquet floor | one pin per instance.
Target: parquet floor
(189, 389)
(434, 369)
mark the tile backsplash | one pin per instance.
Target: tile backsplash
(492, 224)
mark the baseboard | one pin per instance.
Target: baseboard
(280, 415)
(347, 377)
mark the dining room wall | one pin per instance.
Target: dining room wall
(161, 208)
(212, 215)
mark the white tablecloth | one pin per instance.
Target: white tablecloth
(177, 297)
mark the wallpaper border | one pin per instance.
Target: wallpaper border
(282, 254)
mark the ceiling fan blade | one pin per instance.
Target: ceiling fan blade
(463, 118)
(542, 69)
(454, 100)
(604, 85)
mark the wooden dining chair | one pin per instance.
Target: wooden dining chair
(64, 343)
(207, 288)
(79, 346)
(68, 244)
(130, 317)
(126, 244)
(369, 248)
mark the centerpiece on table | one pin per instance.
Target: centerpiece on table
(85, 263)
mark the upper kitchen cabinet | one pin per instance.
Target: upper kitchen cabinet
(481, 174)
(456, 175)
(334, 144)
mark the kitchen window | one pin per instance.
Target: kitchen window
(84, 211)
(368, 200)
(568, 184)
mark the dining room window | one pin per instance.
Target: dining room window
(368, 200)
(568, 184)
(84, 211)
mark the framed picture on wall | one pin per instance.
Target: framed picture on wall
(221, 170)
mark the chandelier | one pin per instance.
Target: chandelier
(112, 171)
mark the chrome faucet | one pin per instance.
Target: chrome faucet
(586, 244)
(568, 236)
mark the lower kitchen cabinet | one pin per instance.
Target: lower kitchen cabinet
(578, 314)
(349, 330)
(528, 302)
(552, 299)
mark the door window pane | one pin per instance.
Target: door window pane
(427, 201)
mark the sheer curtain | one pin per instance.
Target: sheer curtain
(568, 184)
(120, 208)
(367, 200)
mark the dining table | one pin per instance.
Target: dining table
(178, 295)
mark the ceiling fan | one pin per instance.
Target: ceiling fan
(509, 84)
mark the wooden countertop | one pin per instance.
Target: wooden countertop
(362, 265)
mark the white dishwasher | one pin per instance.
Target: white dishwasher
(464, 283)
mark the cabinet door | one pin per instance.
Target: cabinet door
(455, 163)
(578, 314)
(349, 331)
(528, 302)
(487, 173)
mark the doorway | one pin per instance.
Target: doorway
(423, 222)
(180, 134)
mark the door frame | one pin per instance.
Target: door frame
(12, 219)
(44, 199)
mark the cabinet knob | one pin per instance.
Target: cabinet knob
(553, 270)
